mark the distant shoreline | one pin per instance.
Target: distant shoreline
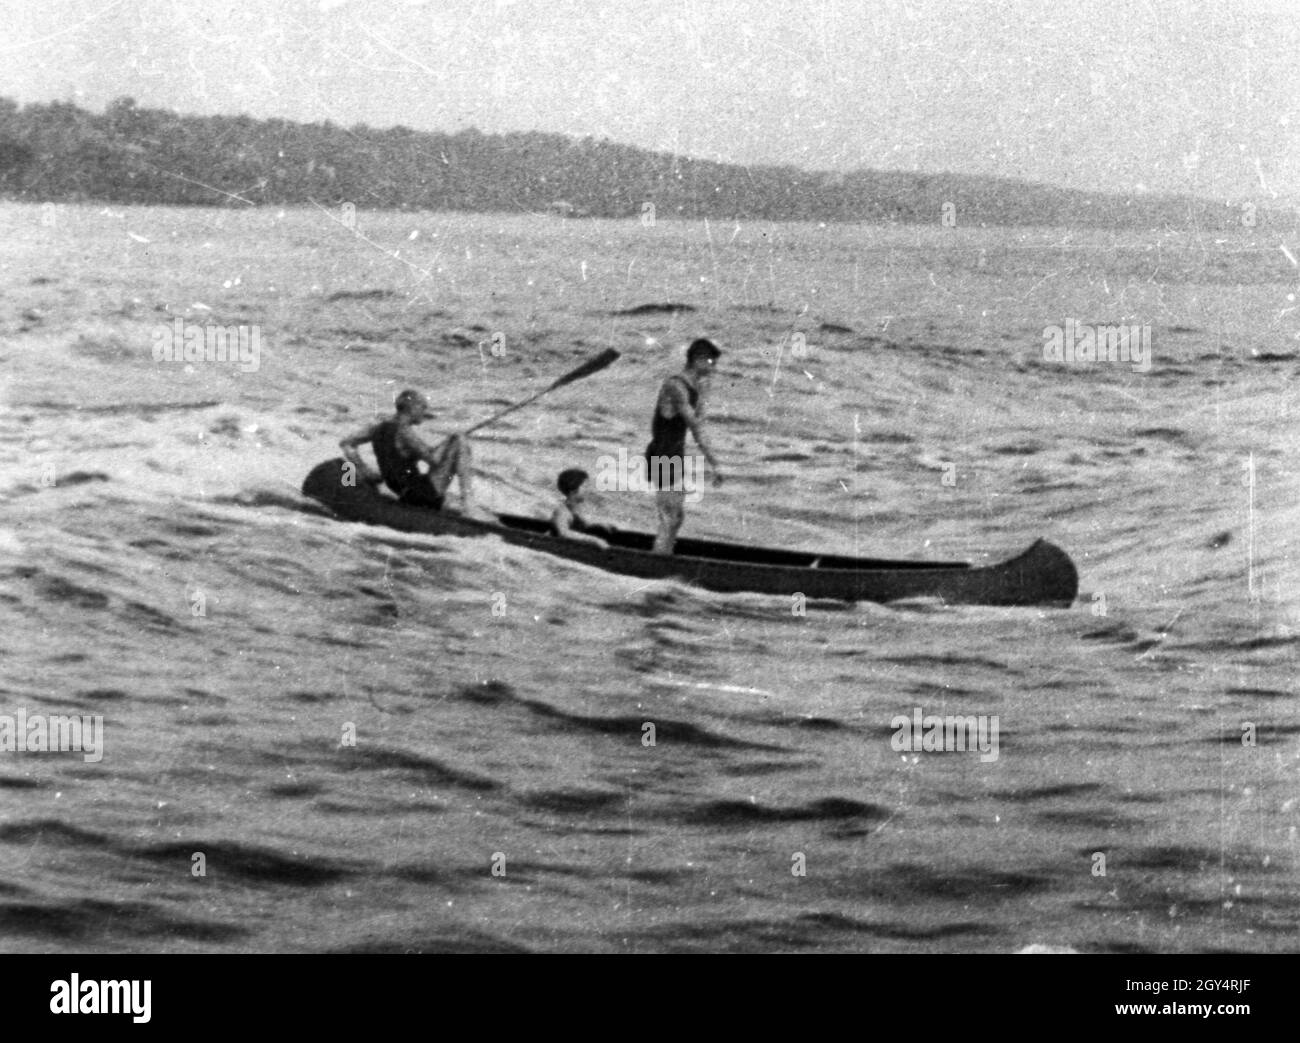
(718, 224)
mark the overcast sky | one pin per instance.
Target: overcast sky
(1117, 95)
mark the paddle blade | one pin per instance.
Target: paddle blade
(592, 365)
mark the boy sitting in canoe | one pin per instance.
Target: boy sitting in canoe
(567, 522)
(399, 450)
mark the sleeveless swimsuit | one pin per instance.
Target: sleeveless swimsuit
(401, 470)
(668, 444)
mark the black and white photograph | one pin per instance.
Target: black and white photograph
(693, 477)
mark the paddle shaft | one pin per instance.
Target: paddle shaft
(592, 365)
(505, 412)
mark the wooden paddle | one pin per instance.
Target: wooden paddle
(592, 365)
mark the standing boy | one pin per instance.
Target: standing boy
(680, 408)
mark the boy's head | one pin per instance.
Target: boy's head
(702, 355)
(571, 481)
(412, 404)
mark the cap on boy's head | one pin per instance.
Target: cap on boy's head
(570, 481)
(702, 348)
(409, 398)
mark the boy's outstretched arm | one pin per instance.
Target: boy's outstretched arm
(695, 423)
(562, 523)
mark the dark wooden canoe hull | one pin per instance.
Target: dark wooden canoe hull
(1042, 575)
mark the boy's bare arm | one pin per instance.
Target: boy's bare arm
(430, 454)
(562, 522)
(695, 421)
(350, 448)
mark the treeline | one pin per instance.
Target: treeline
(60, 152)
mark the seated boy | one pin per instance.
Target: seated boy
(399, 450)
(567, 522)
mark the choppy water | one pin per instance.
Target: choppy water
(516, 740)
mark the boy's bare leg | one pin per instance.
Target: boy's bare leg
(457, 461)
(464, 472)
(671, 507)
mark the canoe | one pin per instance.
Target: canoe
(1042, 575)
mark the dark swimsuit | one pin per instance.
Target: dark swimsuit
(667, 445)
(401, 471)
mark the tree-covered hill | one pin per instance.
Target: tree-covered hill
(127, 154)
